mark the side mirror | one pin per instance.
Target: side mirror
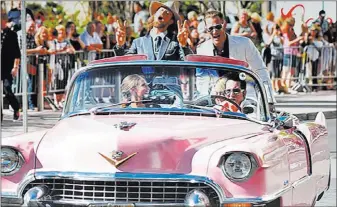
(286, 120)
(288, 123)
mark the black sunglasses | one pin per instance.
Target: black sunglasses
(235, 91)
(218, 27)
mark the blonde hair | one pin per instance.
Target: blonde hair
(220, 86)
(279, 21)
(284, 28)
(256, 16)
(38, 39)
(130, 82)
(290, 21)
(213, 14)
(60, 27)
(191, 14)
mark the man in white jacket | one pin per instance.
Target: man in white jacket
(236, 47)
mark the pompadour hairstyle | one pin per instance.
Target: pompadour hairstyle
(213, 13)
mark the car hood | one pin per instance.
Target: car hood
(164, 144)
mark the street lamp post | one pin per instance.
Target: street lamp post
(24, 65)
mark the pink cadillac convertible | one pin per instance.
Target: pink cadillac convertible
(198, 132)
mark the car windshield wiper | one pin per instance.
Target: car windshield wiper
(94, 110)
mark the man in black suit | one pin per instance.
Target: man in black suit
(10, 60)
(165, 40)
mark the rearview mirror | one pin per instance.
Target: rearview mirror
(248, 109)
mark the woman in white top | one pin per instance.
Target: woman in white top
(244, 27)
(268, 29)
(60, 63)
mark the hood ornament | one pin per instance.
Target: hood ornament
(125, 125)
(117, 158)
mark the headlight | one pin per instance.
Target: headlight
(238, 165)
(11, 161)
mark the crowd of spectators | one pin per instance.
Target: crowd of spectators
(287, 53)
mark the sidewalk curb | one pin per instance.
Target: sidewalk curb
(311, 116)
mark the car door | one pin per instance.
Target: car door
(317, 136)
(299, 162)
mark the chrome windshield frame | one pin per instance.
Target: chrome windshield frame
(170, 63)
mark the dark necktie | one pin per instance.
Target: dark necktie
(157, 43)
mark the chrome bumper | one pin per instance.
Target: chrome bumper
(11, 201)
(17, 200)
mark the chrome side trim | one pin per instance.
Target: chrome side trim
(26, 180)
(277, 194)
(90, 176)
(300, 181)
(259, 200)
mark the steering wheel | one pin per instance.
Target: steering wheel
(228, 100)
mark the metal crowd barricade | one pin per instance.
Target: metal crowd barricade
(61, 66)
(320, 66)
(32, 67)
(105, 54)
(50, 74)
(297, 64)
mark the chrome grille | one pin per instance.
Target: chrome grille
(123, 190)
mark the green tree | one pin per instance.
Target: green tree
(54, 15)
(252, 6)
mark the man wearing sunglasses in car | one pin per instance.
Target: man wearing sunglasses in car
(233, 89)
(236, 47)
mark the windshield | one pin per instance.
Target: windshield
(166, 87)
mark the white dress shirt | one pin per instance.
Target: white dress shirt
(154, 35)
